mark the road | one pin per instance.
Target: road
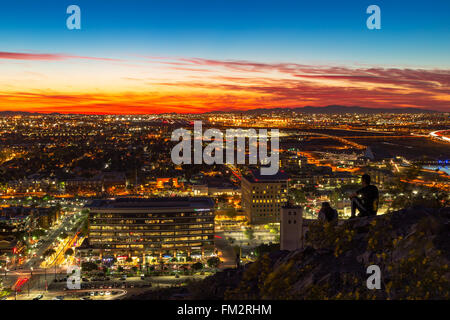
(31, 268)
(72, 294)
(228, 256)
(133, 286)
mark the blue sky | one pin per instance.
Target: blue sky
(414, 33)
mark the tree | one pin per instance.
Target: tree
(69, 252)
(231, 213)
(38, 233)
(335, 197)
(299, 196)
(84, 227)
(213, 262)
(49, 253)
(275, 229)
(266, 248)
(88, 266)
(249, 234)
(197, 266)
(161, 263)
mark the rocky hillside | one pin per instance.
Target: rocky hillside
(411, 247)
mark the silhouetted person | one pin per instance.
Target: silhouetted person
(327, 213)
(365, 200)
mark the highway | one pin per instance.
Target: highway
(443, 135)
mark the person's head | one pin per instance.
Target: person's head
(365, 179)
(326, 205)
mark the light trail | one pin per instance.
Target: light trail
(441, 135)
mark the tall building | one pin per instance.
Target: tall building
(291, 228)
(263, 196)
(151, 228)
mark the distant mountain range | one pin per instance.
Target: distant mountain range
(332, 109)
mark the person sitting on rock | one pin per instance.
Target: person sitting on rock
(327, 213)
(365, 200)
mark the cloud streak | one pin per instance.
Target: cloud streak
(46, 56)
(190, 85)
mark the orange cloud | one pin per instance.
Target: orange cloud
(192, 85)
(46, 56)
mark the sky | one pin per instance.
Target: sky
(157, 56)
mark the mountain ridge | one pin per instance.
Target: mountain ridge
(330, 109)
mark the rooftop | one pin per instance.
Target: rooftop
(256, 176)
(161, 202)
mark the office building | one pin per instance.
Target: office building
(152, 228)
(263, 196)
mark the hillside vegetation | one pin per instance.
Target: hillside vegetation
(411, 247)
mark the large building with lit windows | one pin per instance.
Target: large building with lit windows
(153, 228)
(263, 196)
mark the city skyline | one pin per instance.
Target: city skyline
(154, 57)
(238, 153)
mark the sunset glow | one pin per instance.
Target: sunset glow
(157, 58)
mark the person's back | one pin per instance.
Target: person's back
(331, 214)
(369, 196)
(327, 213)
